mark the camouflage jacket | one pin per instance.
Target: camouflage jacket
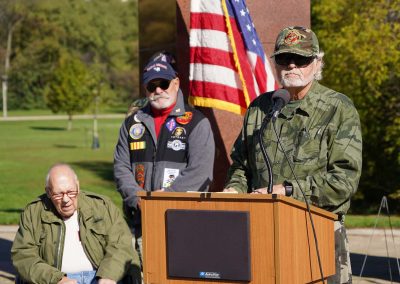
(321, 135)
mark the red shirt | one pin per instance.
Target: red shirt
(159, 117)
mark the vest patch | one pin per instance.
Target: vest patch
(138, 145)
(171, 124)
(139, 175)
(136, 131)
(186, 118)
(176, 145)
(179, 133)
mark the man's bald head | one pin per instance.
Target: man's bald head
(62, 187)
(56, 169)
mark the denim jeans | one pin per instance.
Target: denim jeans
(84, 277)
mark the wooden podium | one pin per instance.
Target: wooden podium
(281, 240)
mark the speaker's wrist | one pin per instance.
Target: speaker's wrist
(288, 188)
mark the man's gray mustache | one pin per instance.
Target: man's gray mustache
(157, 97)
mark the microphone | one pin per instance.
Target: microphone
(280, 98)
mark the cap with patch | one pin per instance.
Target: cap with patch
(158, 69)
(297, 40)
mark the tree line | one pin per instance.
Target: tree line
(56, 49)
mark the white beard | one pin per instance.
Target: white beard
(298, 81)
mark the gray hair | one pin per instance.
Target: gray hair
(319, 57)
(47, 184)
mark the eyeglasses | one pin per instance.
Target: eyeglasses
(284, 59)
(59, 196)
(153, 85)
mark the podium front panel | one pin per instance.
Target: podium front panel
(208, 244)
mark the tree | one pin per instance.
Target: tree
(361, 41)
(71, 88)
(11, 13)
(101, 33)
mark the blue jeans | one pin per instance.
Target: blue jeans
(84, 277)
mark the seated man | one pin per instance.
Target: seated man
(71, 236)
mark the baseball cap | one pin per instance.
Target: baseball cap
(158, 69)
(297, 40)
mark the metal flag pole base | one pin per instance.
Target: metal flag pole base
(384, 204)
(96, 142)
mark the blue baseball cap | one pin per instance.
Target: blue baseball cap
(158, 69)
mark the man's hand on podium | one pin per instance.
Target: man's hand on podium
(276, 189)
(230, 190)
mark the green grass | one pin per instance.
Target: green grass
(27, 112)
(33, 112)
(368, 221)
(28, 149)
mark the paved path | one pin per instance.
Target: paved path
(60, 117)
(7, 271)
(375, 271)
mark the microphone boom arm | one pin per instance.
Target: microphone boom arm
(265, 155)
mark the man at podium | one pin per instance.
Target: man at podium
(319, 131)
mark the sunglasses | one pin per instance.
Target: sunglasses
(284, 59)
(153, 85)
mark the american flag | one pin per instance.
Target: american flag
(228, 66)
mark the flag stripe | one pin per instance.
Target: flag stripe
(201, 38)
(219, 91)
(258, 70)
(219, 104)
(208, 6)
(214, 74)
(211, 56)
(208, 21)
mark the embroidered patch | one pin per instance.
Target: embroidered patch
(136, 119)
(176, 145)
(186, 118)
(179, 132)
(137, 145)
(293, 37)
(171, 124)
(139, 175)
(136, 131)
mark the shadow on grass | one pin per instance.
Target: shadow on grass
(5, 258)
(12, 210)
(102, 169)
(45, 128)
(65, 146)
(375, 267)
